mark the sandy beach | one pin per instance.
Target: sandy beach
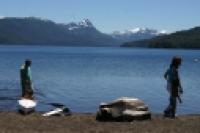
(12, 122)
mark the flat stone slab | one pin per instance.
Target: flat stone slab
(123, 109)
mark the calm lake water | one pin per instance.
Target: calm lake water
(83, 77)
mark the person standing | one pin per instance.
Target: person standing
(173, 86)
(25, 76)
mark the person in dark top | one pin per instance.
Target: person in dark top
(173, 86)
(25, 76)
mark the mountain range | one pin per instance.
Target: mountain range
(187, 39)
(137, 34)
(31, 30)
(37, 31)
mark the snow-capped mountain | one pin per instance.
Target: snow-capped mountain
(137, 34)
(31, 30)
(85, 23)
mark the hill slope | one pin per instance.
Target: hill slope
(32, 30)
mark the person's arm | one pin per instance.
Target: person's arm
(180, 87)
(179, 99)
(29, 74)
(166, 73)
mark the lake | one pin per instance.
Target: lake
(83, 77)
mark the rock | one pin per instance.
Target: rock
(123, 109)
(61, 111)
(26, 106)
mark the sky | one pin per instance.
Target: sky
(110, 15)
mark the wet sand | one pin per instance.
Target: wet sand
(12, 122)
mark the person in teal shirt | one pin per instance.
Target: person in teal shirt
(173, 86)
(26, 79)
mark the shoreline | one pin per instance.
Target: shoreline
(86, 123)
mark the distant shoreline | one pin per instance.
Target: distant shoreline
(72, 46)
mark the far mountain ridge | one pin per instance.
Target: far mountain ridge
(32, 30)
(137, 34)
(39, 31)
(188, 39)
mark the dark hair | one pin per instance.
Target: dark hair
(28, 62)
(176, 61)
